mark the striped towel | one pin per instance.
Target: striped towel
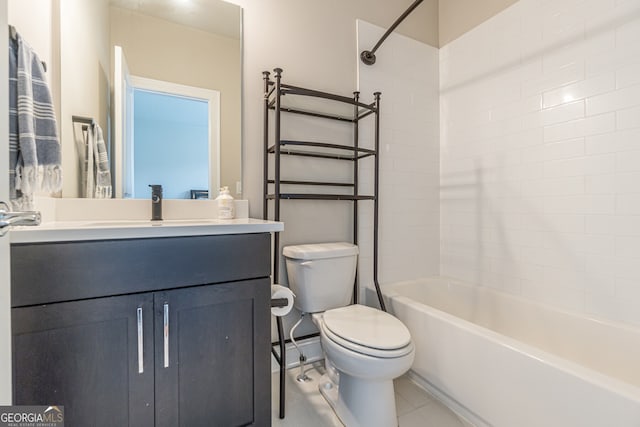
(96, 174)
(34, 148)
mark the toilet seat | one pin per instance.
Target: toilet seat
(367, 331)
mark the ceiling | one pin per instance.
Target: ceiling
(212, 16)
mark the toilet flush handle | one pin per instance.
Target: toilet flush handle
(306, 263)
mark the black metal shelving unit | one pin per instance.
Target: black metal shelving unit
(274, 90)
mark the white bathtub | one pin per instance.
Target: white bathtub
(505, 362)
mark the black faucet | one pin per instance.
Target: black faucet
(156, 202)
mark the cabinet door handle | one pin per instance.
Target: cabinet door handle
(140, 341)
(166, 335)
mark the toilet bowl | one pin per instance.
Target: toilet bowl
(367, 347)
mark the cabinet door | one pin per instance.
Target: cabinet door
(212, 355)
(85, 355)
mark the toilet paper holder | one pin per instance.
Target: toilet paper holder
(279, 302)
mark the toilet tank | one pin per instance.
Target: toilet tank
(321, 275)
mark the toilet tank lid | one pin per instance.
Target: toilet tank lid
(320, 250)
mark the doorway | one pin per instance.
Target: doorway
(174, 117)
(173, 140)
(170, 144)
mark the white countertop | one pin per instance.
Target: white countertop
(122, 229)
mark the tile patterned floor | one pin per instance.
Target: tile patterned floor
(306, 406)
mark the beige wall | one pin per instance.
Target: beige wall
(456, 17)
(85, 64)
(162, 50)
(33, 20)
(315, 43)
(420, 25)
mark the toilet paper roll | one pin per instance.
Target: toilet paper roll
(279, 291)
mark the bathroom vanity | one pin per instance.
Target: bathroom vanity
(165, 328)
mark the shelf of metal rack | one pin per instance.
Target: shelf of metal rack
(339, 152)
(310, 196)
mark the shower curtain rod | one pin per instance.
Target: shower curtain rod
(369, 56)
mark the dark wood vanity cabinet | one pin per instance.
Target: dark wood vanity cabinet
(182, 348)
(209, 364)
(83, 355)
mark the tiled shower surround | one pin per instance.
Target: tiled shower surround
(540, 155)
(406, 72)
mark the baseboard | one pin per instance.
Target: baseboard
(310, 347)
(461, 410)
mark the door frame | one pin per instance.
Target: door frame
(122, 112)
(124, 145)
(212, 97)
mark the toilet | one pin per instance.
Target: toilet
(365, 348)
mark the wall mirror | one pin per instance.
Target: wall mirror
(162, 78)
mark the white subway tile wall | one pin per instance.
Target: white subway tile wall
(540, 155)
(406, 72)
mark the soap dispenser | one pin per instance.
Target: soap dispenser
(226, 206)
